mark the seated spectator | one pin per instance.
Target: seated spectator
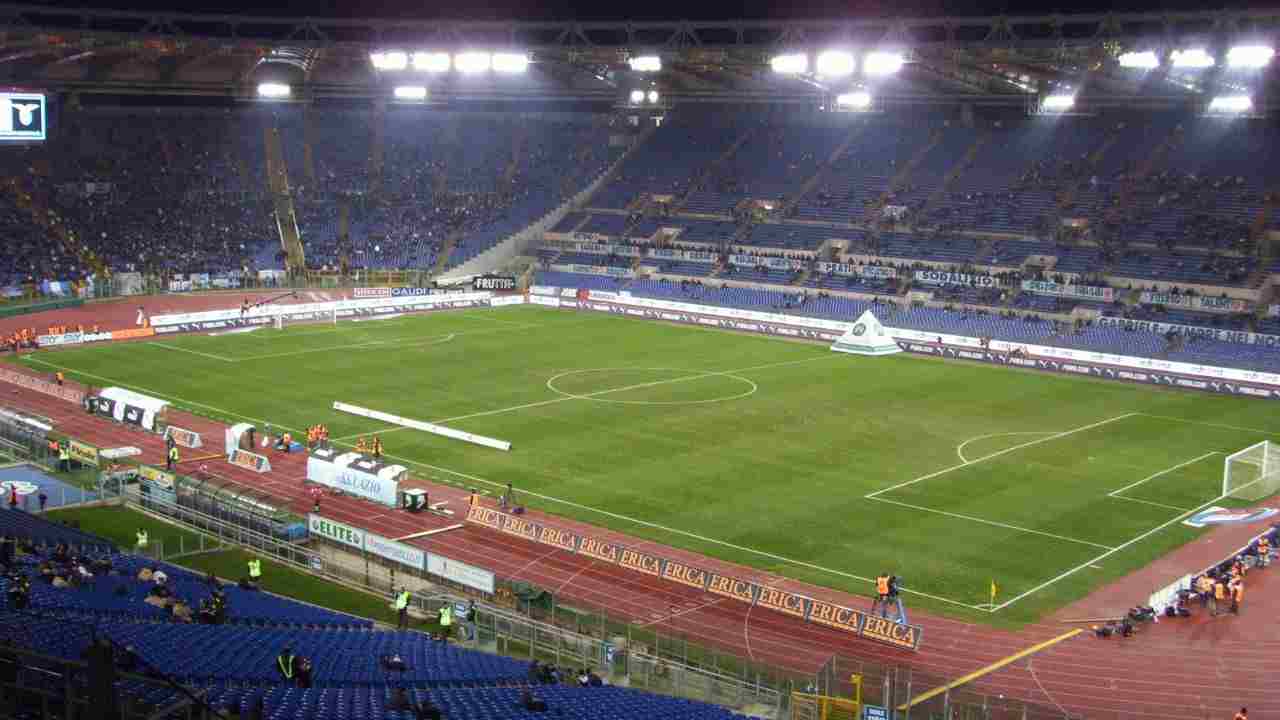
(159, 577)
(145, 574)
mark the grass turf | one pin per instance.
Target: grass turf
(753, 449)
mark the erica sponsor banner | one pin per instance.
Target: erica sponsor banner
(892, 633)
(782, 601)
(938, 277)
(41, 386)
(83, 453)
(1083, 292)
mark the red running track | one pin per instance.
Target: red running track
(1189, 669)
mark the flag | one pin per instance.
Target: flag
(994, 590)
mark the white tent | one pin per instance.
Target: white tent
(149, 406)
(866, 337)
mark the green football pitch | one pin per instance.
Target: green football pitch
(778, 454)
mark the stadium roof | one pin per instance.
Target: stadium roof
(990, 59)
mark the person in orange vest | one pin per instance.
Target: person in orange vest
(474, 499)
(362, 447)
(1219, 595)
(1237, 595)
(1243, 714)
(59, 377)
(377, 447)
(882, 595)
(1264, 551)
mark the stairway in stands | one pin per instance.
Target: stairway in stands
(282, 200)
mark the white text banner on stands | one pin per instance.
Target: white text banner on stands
(423, 426)
(335, 531)
(1196, 302)
(938, 277)
(360, 539)
(1083, 292)
(397, 552)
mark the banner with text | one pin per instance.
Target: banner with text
(1196, 302)
(869, 271)
(939, 277)
(773, 598)
(1232, 336)
(1082, 292)
(769, 261)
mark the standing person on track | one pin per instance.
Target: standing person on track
(402, 608)
(172, 458)
(377, 447)
(882, 595)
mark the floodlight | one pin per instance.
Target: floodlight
(854, 100)
(1231, 104)
(653, 96)
(835, 63)
(1193, 58)
(273, 90)
(431, 62)
(393, 60)
(790, 64)
(881, 63)
(1250, 56)
(1058, 102)
(637, 97)
(510, 62)
(411, 92)
(1145, 60)
(472, 62)
(646, 63)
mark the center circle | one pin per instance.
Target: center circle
(627, 379)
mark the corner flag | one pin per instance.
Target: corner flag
(995, 589)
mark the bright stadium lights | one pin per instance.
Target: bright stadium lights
(472, 62)
(1145, 60)
(881, 63)
(854, 100)
(1195, 58)
(1231, 104)
(1058, 103)
(273, 90)
(652, 96)
(431, 62)
(1250, 56)
(637, 97)
(790, 64)
(646, 63)
(510, 62)
(835, 63)
(411, 92)
(394, 60)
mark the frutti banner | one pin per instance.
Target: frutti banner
(83, 453)
(638, 561)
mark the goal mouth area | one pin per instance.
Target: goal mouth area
(1252, 474)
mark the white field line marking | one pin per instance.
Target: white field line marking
(548, 498)
(994, 523)
(998, 453)
(960, 447)
(1148, 502)
(1178, 518)
(637, 386)
(211, 356)
(1210, 424)
(586, 396)
(1166, 471)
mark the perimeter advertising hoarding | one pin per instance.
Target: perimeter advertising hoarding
(773, 598)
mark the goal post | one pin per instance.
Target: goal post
(1252, 473)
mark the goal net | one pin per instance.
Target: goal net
(326, 316)
(1252, 473)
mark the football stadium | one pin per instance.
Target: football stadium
(853, 368)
